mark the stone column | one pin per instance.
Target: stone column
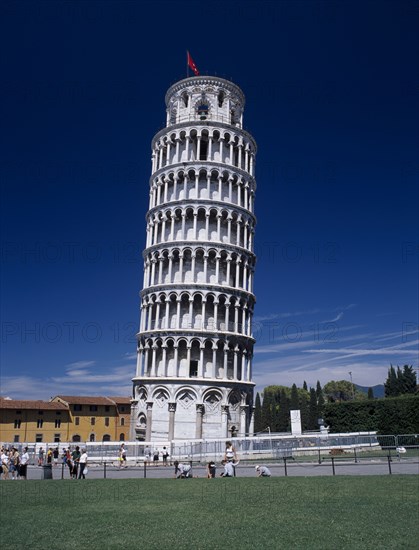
(199, 415)
(149, 420)
(139, 361)
(214, 361)
(235, 365)
(243, 414)
(201, 361)
(224, 420)
(172, 410)
(252, 421)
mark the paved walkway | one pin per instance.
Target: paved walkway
(377, 467)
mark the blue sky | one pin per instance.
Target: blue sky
(331, 101)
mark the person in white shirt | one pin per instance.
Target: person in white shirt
(182, 471)
(24, 459)
(5, 464)
(228, 469)
(263, 471)
(82, 464)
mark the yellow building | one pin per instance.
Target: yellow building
(33, 421)
(65, 418)
(123, 419)
(96, 418)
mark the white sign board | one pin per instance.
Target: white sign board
(295, 422)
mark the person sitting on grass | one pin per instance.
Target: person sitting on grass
(211, 469)
(263, 471)
(182, 471)
(228, 469)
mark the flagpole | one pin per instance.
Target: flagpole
(187, 65)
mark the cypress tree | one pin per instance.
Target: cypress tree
(319, 390)
(320, 400)
(258, 414)
(370, 393)
(312, 411)
(267, 412)
(294, 401)
(284, 413)
(408, 380)
(305, 385)
(391, 385)
(304, 397)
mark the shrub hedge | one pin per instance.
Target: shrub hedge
(399, 415)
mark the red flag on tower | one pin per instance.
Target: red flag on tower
(191, 64)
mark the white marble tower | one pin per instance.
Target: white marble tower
(195, 343)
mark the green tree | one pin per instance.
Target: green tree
(295, 400)
(339, 390)
(258, 414)
(408, 384)
(320, 399)
(313, 411)
(304, 399)
(283, 424)
(267, 410)
(305, 386)
(370, 393)
(391, 385)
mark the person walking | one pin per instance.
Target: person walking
(83, 464)
(122, 458)
(24, 460)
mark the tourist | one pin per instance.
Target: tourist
(41, 457)
(56, 454)
(68, 461)
(211, 469)
(182, 471)
(122, 458)
(49, 456)
(228, 469)
(263, 471)
(156, 457)
(230, 452)
(147, 455)
(75, 455)
(165, 455)
(4, 463)
(24, 459)
(14, 462)
(83, 464)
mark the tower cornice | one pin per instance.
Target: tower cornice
(199, 244)
(193, 203)
(202, 81)
(194, 124)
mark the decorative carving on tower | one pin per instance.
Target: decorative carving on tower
(195, 343)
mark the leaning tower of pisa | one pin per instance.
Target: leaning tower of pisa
(195, 343)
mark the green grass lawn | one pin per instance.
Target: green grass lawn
(239, 513)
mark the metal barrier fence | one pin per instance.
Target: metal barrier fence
(306, 447)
